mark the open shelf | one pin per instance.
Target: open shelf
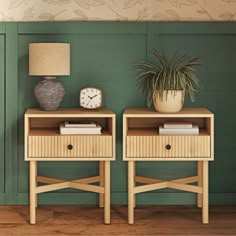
(154, 132)
(56, 132)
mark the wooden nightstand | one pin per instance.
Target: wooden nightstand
(43, 142)
(142, 142)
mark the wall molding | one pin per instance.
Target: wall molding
(18, 35)
(11, 116)
(118, 10)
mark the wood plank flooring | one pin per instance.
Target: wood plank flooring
(88, 220)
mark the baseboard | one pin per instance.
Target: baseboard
(121, 198)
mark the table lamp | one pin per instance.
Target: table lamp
(49, 60)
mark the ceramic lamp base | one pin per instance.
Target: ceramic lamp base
(49, 92)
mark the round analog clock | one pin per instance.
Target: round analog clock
(90, 98)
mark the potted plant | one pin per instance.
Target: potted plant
(168, 81)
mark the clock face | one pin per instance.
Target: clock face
(90, 98)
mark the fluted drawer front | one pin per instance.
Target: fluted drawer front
(69, 146)
(168, 146)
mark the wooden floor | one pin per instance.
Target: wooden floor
(88, 220)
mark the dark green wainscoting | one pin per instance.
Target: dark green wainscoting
(2, 112)
(102, 55)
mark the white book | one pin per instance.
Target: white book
(80, 124)
(178, 125)
(193, 130)
(80, 130)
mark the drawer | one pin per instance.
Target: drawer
(93, 146)
(168, 146)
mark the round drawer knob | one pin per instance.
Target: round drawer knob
(70, 147)
(168, 147)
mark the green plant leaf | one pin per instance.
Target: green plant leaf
(177, 73)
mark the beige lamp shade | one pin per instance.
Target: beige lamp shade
(49, 59)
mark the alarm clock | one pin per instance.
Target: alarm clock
(90, 98)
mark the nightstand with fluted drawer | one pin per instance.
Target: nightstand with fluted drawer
(43, 142)
(142, 142)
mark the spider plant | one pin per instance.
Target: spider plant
(171, 75)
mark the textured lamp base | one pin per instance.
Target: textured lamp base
(49, 93)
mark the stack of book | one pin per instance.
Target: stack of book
(83, 127)
(178, 128)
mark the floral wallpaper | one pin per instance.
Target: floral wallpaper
(117, 10)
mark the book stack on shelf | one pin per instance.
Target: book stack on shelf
(83, 127)
(178, 128)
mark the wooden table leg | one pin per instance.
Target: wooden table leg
(107, 193)
(101, 183)
(36, 184)
(134, 183)
(205, 213)
(32, 192)
(130, 192)
(199, 173)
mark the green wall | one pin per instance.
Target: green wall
(102, 55)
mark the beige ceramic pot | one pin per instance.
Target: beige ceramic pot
(172, 101)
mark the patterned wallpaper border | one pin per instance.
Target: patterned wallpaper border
(117, 10)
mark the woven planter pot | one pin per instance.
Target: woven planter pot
(172, 101)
